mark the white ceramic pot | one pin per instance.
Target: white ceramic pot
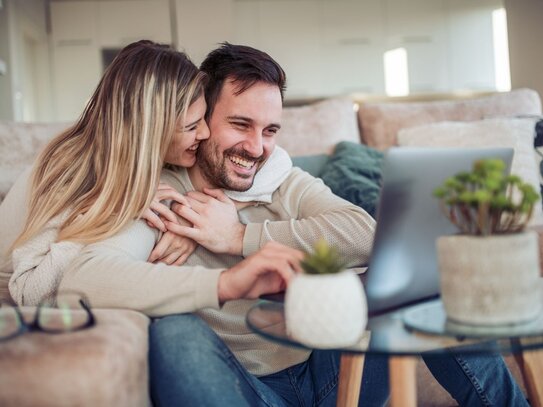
(492, 280)
(326, 311)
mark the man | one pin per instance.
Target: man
(192, 364)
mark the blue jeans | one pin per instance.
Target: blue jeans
(191, 366)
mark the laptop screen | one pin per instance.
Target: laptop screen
(403, 263)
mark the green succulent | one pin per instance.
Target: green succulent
(324, 259)
(486, 201)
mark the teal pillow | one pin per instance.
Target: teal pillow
(313, 164)
(354, 173)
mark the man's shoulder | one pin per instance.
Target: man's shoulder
(298, 180)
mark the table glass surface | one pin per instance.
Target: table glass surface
(422, 328)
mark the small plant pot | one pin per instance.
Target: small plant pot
(491, 280)
(326, 310)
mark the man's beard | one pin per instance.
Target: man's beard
(212, 164)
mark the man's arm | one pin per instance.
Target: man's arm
(316, 212)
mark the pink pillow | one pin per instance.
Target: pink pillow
(317, 128)
(380, 122)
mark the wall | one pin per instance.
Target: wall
(525, 29)
(6, 109)
(26, 89)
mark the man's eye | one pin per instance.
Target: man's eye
(240, 125)
(272, 132)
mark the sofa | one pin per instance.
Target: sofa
(310, 133)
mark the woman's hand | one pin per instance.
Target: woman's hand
(158, 211)
(215, 221)
(266, 271)
(172, 249)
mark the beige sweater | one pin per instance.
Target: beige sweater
(114, 272)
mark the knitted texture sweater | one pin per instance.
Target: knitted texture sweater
(114, 273)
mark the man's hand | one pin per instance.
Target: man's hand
(157, 209)
(215, 221)
(267, 271)
(172, 249)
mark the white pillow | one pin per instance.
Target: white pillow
(517, 133)
(317, 128)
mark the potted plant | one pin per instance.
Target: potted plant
(490, 271)
(325, 306)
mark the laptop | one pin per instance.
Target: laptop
(403, 263)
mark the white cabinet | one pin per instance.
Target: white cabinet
(471, 52)
(81, 30)
(121, 22)
(419, 26)
(74, 22)
(77, 72)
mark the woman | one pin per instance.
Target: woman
(92, 181)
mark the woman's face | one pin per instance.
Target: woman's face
(188, 134)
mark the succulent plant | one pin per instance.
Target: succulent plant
(486, 201)
(324, 259)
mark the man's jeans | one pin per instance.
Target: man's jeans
(191, 366)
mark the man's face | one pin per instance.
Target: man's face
(242, 135)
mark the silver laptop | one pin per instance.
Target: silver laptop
(403, 263)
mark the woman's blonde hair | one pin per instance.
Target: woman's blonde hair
(105, 168)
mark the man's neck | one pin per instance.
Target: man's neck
(199, 182)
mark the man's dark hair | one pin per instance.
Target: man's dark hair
(242, 64)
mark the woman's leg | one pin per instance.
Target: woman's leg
(476, 379)
(191, 366)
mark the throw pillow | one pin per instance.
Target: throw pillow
(380, 122)
(354, 173)
(317, 128)
(517, 133)
(313, 164)
(20, 143)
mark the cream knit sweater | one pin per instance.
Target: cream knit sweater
(114, 273)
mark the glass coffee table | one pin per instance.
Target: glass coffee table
(403, 335)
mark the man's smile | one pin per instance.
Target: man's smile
(241, 162)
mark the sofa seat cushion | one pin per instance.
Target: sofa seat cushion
(20, 143)
(380, 122)
(317, 128)
(105, 365)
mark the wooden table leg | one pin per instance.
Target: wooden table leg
(350, 379)
(531, 366)
(403, 384)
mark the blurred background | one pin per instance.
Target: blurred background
(53, 52)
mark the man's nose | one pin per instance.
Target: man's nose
(253, 144)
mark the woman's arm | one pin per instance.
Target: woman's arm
(114, 274)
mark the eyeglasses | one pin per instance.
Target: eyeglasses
(63, 312)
